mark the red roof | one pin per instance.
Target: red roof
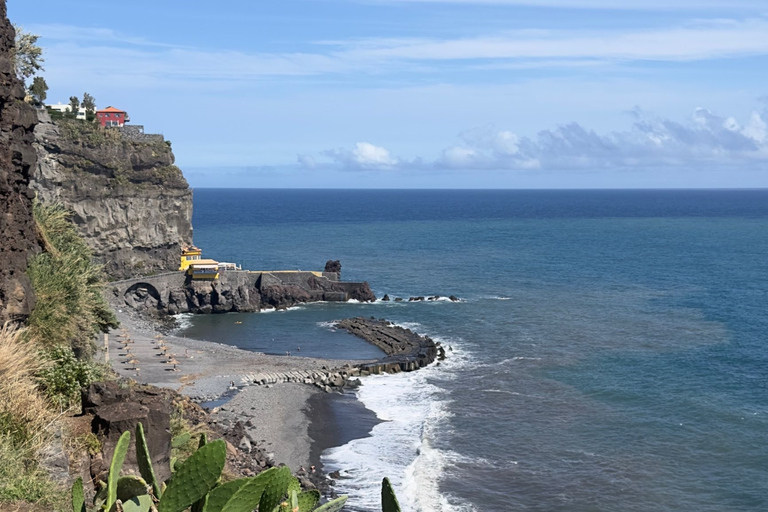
(110, 109)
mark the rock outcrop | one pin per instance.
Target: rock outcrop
(129, 202)
(17, 160)
(116, 409)
(234, 291)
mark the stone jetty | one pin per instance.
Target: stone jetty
(406, 351)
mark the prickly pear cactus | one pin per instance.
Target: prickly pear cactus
(333, 505)
(131, 486)
(308, 500)
(180, 440)
(121, 449)
(277, 487)
(78, 496)
(224, 495)
(145, 461)
(388, 499)
(141, 503)
(194, 478)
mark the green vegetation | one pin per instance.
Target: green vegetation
(70, 308)
(27, 54)
(89, 104)
(62, 380)
(197, 483)
(39, 89)
(21, 479)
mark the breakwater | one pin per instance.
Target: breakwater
(406, 351)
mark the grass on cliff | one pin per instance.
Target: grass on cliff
(24, 416)
(70, 309)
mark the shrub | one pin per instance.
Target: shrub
(62, 380)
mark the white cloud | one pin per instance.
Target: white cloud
(701, 40)
(91, 54)
(706, 141)
(364, 156)
(306, 161)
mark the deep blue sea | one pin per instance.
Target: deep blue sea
(610, 352)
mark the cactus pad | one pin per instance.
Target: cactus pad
(145, 461)
(121, 449)
(194, 478)
(277, 486)
(78, 496)
(388, 499)
(141, 503)
(333, 505)
(129, 487)
(308, 500)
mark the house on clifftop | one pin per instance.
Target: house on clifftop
(112, 116)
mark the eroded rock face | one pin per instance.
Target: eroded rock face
(130, 203)
(116, 410)
(17, 160)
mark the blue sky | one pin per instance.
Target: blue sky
(428, 93)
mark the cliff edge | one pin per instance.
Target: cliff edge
(17, 160)
(130, 202)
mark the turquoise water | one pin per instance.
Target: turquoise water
(608, 354)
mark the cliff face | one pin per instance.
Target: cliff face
(130, 203)
(17, 160)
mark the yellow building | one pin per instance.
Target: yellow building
(188, 256)
(203, 269)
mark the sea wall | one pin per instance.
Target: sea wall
(17, 162)
(234, 291)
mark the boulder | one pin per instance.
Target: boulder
(116, 410)
(333, 266)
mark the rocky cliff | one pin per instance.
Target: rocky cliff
(17, 160)
(130, 203)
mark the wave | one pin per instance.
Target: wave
(414, 411)
(183, 322)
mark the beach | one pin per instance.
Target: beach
(281, 416)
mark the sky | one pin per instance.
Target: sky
(427, 93)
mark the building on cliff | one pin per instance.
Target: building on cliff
(112, 116)
(60, 107)
(128, 200)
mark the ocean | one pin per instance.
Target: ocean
(609, 352)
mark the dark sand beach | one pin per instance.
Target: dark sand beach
(296, 422)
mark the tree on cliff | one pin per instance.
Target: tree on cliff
(27, 55)
(39, 89)
(89, 104)
(74, 105)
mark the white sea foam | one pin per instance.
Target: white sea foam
(183, 321)
(331, 326)
(414, 411)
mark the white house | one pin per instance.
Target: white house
(67, 108)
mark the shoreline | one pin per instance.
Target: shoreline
(293, 422)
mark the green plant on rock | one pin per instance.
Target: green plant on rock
(196, 484)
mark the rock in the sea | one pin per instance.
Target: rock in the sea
(385, 298)
(333, 266)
